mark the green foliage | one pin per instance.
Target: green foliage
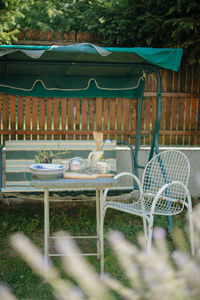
(9, 11)
(54, 15)
(139, 23)
(43, 156)
(153, 23)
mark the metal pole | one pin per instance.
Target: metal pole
(98, 221)
(46, 225)
(155, 141)
(138, 135)
(101, 232)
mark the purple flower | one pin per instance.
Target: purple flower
(158, 233)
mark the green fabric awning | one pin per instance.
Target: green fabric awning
(82, 70)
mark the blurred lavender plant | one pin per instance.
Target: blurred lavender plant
(156, 275)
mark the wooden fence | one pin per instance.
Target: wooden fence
(76, 118)
(35, 37)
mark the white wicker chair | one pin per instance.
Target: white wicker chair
(163, 191)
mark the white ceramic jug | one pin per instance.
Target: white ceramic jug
(94, 157)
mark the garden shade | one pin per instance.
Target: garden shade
(81, 70)
(86, 70)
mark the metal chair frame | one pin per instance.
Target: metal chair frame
(163, 191)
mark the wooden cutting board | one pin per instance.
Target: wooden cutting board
(74, 175)
(105, 175)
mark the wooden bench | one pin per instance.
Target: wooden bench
(17, 156)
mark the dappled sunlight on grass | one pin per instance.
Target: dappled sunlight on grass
(28, 219)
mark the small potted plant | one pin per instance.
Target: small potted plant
(46, 156)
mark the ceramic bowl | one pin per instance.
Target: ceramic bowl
(47, 171)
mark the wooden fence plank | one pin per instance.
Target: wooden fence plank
(49, 116)
(34, 115)
(72, 36)
(84, 117)
(79, 37)
(65, 36)
(92, 111)
(70, 116)
(119, 117)
(126, 113)
(142, 140)
(20, 115)
(167, 117)
(41, 116)
(50, 35)
(162, 122)
(13, 115)
(198, 123)
(193, 119)
(86, 36)
(58, 35)
(35, 34)
(176, 81)
(43, 35)
(182, 72)
(105, 113)
(99, 107)
(63, 115)
(187, 120)
(28, 34)
(181, 119)
(20, 35)
(174, 120)
(133, 119)
(153, 112)
(77, 117)
(56, 115)
(168, 105)
(27, 116)
(147, 120)
(112, 103)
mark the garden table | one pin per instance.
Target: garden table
(99, 184)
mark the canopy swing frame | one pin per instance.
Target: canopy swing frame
(62, 79)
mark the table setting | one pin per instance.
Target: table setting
(94, 166)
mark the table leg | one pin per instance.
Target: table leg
(98, 222)
(46, 225)
(101, 231)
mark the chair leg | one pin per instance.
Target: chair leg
(150, 230)
(102, 242)
(191, 229)
(145, 227)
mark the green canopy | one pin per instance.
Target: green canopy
(82, 70)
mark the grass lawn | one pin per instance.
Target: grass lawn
(79, 219)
